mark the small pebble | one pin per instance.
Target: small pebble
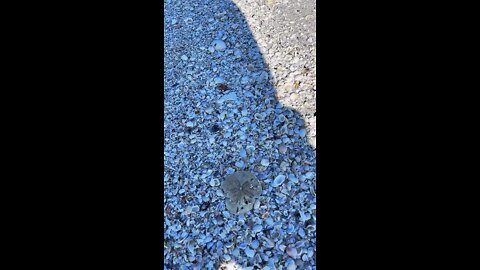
(245, 80)
(292, 252)
(219, 45)
(257, 228)
(265, 162)
(255, 244)
(250, 253)
(301, 232)
(278, 180)
(214, 183)
(290, 228)
(291, 266)
(218, 81)
(188, 210)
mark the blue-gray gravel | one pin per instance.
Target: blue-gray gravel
(210, 43)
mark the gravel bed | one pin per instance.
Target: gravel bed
(235, 107)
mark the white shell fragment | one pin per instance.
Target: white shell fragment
(219, 45)
(278, 180)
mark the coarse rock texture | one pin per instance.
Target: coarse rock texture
(224, 112)
(285, 31)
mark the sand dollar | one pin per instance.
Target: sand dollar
(241, 190)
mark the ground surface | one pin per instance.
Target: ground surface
(285, 32)
(239, 96)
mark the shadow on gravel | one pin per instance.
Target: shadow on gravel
(221, 116)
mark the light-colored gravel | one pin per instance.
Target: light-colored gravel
(285, 32)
